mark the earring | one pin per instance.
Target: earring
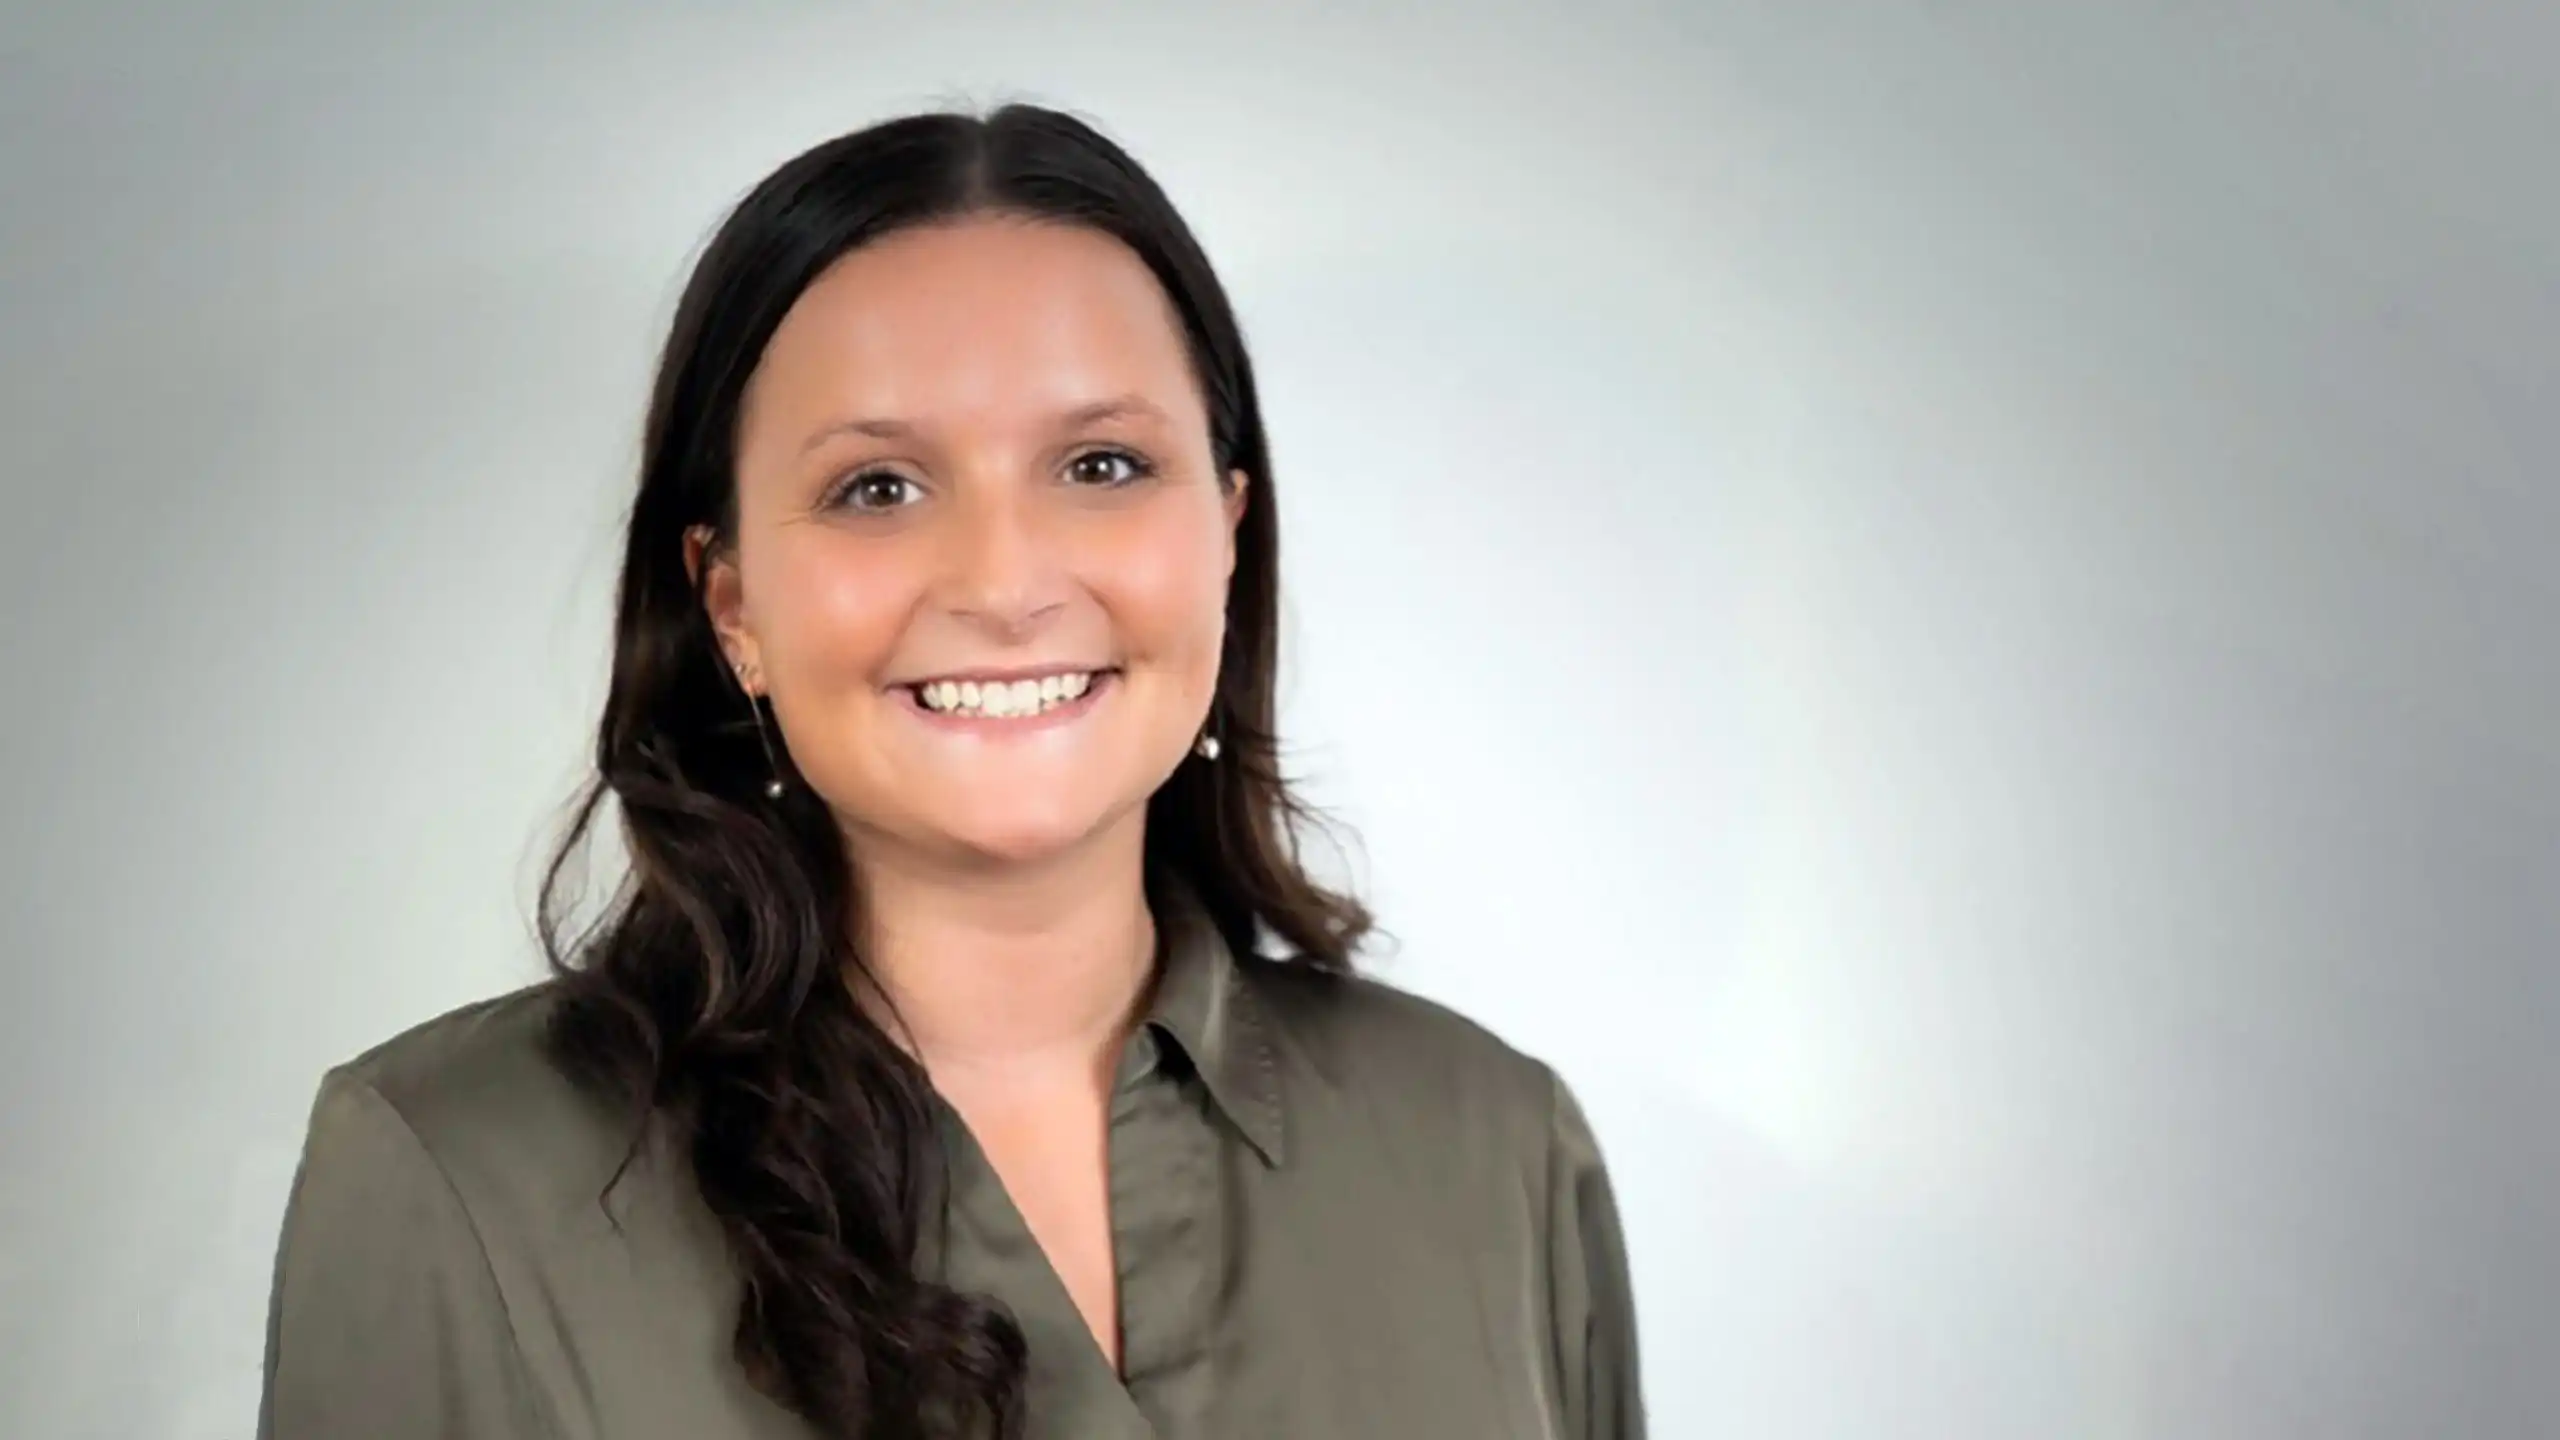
(764, 739)
(1208, 747)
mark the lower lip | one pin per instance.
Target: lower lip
(996, 727)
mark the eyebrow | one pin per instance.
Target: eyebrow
(1117, 407)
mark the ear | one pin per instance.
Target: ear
(713, 568)
(1239, 486)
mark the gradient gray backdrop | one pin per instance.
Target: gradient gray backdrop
(1948, 606)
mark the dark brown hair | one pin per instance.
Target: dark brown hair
(710, 995)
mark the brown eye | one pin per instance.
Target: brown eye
(873, 491)
(1108, 469)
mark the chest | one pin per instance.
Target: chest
(1049, 1165)
(1172, 1283)
(1351, 1289)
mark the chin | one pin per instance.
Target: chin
(1021, 837)
(1013, 847)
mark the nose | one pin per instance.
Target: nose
(1004, 573)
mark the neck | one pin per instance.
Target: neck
(1023, 973)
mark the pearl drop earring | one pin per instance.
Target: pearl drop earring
(764, 740)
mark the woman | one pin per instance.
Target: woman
(925, 1077)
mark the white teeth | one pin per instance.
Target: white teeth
(1003, 700)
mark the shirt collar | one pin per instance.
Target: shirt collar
(1204, 1003)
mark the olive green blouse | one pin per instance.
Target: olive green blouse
(1338, 1210)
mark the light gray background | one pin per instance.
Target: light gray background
(1947, 605)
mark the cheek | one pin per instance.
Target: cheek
(1167, 595)
(827, 618)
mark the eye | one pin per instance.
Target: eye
(873, 491)
(1108, 469)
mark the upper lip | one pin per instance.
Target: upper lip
(1000, 676)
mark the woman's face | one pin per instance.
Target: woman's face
(982, 552)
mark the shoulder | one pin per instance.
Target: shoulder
(477, 1090)
(465, 1067)
(1395, 1052)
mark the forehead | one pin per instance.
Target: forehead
(987, 320)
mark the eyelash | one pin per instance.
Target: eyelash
(1137, 465)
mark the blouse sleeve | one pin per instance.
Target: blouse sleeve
(384, 1320)
(1595, 1321)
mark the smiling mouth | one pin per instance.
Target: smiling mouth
(1023, 699)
